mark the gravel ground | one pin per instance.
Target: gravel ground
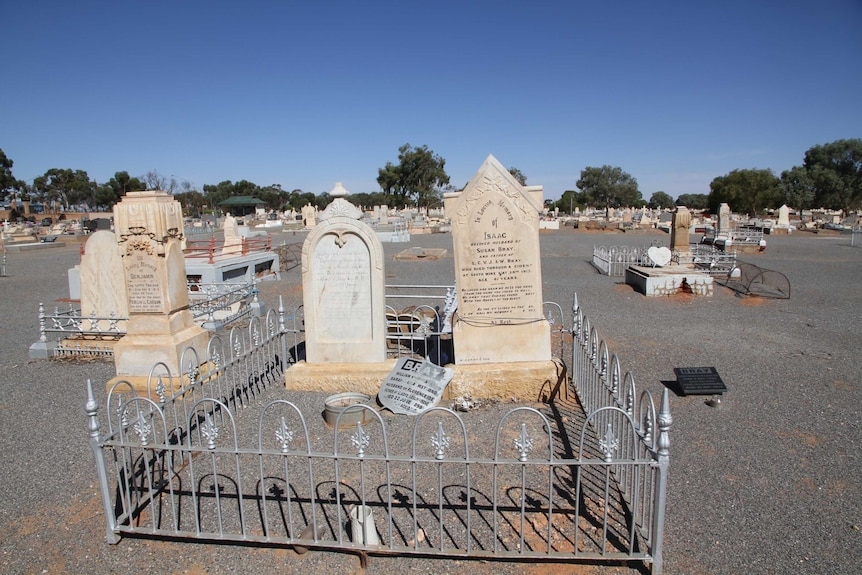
(768, 482)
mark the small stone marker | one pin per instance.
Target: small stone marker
(413, 386)
(660, 256)
(699, 380)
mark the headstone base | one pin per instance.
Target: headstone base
(492, 344)
(136, 353)
(521, 381)
(338, 377)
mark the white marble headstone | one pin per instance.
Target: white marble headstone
(660, 256)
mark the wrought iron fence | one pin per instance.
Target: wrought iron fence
(576, 480)
(614, 260)
(67, 333)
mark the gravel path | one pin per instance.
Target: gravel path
(768, 482)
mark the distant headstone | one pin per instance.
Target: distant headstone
(784, 216)
(679, 229)
(699, 380)
(232, 239)
(101, 265)
(342, 286)
(309, 216)
(723, 219)
(413, 386)
(383, 215)
(495, 229)
(627, 216)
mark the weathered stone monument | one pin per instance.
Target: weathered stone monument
(784, 216)
(679, 229)
(309, 216)
(232, 239)
(344, 304)
(723, 220)
(499, 327)
(149, 228)
(101, 294)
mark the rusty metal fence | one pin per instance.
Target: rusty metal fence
(580, 478)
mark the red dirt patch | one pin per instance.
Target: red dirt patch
(752, 301)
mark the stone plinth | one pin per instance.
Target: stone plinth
(668, 281)
(524, 381)
(338, 377)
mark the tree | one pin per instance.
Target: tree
(693, 201)
(68, 187)
(661, 201)
(8, 182)
(570, 200)
(518, 175)
(836, 171)
(156, 181)
(798, 187)
(218, 193)
(609, 187)
(748, 191)
(419, 175)
(114, 189)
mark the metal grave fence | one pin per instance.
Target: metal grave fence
(578, 479)
(614, 260)
(68, 333)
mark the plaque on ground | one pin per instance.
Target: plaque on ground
(699, 380)
(413, 386)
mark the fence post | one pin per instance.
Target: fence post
(282, 332)
(665, 421)
(93, 426)
(212, 250)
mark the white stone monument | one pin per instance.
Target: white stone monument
(680, 229)
(344, 304)
(723, 220)
(784, 216)
(102, 295)
(501, 340)
(232, 239)
(149, 230)
(498, 272)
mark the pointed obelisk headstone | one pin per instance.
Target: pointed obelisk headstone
(495, 230)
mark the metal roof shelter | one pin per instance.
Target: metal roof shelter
(241, 205)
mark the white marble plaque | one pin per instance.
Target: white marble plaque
(413, 386)
(342, 281)
(144, 283)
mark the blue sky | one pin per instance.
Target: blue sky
(304, 94)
